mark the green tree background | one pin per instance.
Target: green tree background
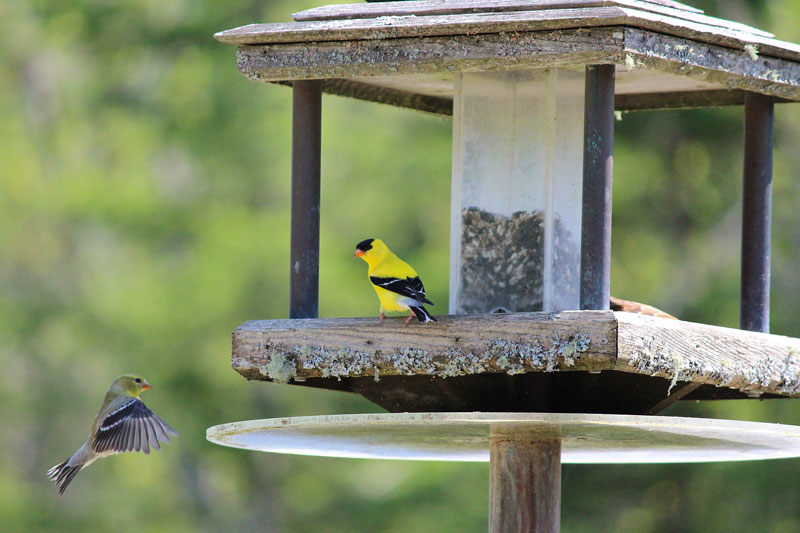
(144, 214)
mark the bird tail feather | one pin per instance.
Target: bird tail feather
(62, 475)
(422, 314)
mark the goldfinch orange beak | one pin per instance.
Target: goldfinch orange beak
(358, 253)
(146, 386)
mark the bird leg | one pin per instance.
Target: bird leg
(412, 315)
(383, 315)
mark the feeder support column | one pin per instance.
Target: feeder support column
(516, 223)
(304, 255)
(756, 212)
(524, 484)
(597, 172)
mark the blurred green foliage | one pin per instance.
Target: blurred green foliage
(144, 214)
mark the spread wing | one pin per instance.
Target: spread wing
(411, 287)
(132, 426)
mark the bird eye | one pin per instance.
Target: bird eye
(137, 380)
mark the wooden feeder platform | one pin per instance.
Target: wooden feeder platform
(572, 361)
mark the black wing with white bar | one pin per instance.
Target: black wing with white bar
(411, 287)
(132, 426)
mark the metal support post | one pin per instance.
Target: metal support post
(306, 132)
(597, 178)
(756, 212)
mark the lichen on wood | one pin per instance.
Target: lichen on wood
(279, 368)
(419, 55)
(750, 362)
(455, 346)
(629, 13)
(282, 363)
(682, 351)
(731, 68)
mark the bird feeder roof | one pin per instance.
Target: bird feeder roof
(408, 53)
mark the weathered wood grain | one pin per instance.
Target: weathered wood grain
(751, 362)
(444, 105)
(682, 24)
(430, 54)
(633, 48)
(412, 26)
(714, 35)
(386, 95)
(683, 351)
(676, 393)
(448, 7)
(735, 69)
(456, 345)
(524, 483)
(676, 12)
(679, 17)
(427, 8)
(678, 100)
(676, 5)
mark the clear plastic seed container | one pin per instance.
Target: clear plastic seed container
(517, 182)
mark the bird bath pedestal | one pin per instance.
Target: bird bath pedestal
(531, 344)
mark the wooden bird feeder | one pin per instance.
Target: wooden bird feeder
(532, 86)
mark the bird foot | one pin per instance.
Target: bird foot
(412, 315)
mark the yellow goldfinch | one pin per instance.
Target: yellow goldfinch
(123, 424)
(397, 284)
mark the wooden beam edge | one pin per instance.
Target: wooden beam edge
(683, 100)
(715, 32)
(743, 68)
(387, 28)
(385, 95)
(353, 11)
(751, 362)
(430, 54)
(443, 106)
(733, 70)
(283, 350)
